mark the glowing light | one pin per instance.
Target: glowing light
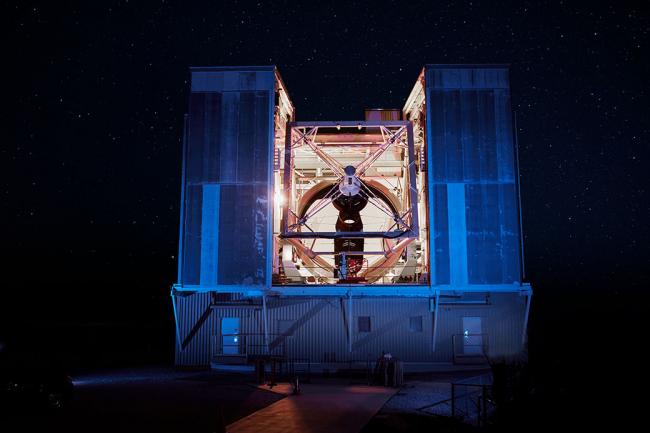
(279, 198)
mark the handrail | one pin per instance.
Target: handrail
(477, 403)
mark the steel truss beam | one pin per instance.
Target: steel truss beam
(305, 133)
(417, 290)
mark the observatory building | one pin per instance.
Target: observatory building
(332, 242)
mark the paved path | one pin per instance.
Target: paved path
(320, 408)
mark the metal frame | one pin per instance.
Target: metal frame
(306, 133)
(408, 290)
(434, 328)
(344, 291)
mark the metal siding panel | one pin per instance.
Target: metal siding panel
(505, 150)
(247, 80)
(204, 138)
(191, 239)
(457, 228)
(319, 327)
(242, 230)
(210, 234)
(206, 81)
(441, 234)
(464, 136)
(229, 79)
(466, 77)
(506, 324)
(244, 223)
(470, 136)
(229, 136)
(502, 321)
(484, 234)
(389, 329)
(244, 161)
(493, 234)
(190, 308)
(229, 140)
(471, 142)
(265, 80)
(451, 152)
(509, 233)
(202, 156)
(486, 137)
(263, 134)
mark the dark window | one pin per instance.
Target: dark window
(364, 323)
(415, 324)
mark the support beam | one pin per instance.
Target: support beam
(409, 290)
(287, 181)
(309, 138)
(434, 331)
(197, 326)
(413, 193)
(319, 261)
(350, 322)
(345, 319)
(524, 332)
(356, 235)
(178, 331)
(392, 137)
(265, 319)
(391, 257)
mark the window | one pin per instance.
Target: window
(363, 323)
(415, 323)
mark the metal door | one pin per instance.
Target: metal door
(472, 338)
(230, 336)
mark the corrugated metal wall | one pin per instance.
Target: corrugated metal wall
(316, 329)
(227, 189)
(471, 156)
(194, 350)
(502, 321)
(226, 217)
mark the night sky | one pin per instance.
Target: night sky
(98, 90)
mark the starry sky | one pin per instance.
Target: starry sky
(97, 92)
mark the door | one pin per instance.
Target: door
(230, 336)
(472, 338)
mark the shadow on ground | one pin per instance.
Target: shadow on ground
(150, 400)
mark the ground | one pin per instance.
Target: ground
(151, 400)
(163, 400)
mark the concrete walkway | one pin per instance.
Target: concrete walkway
(320, 408)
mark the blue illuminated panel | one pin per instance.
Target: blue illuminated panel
(475, 222)
(228, 142)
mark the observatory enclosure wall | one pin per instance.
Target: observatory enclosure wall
(315, 330)
(227, 183)
(231, 244)
(472, 176)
